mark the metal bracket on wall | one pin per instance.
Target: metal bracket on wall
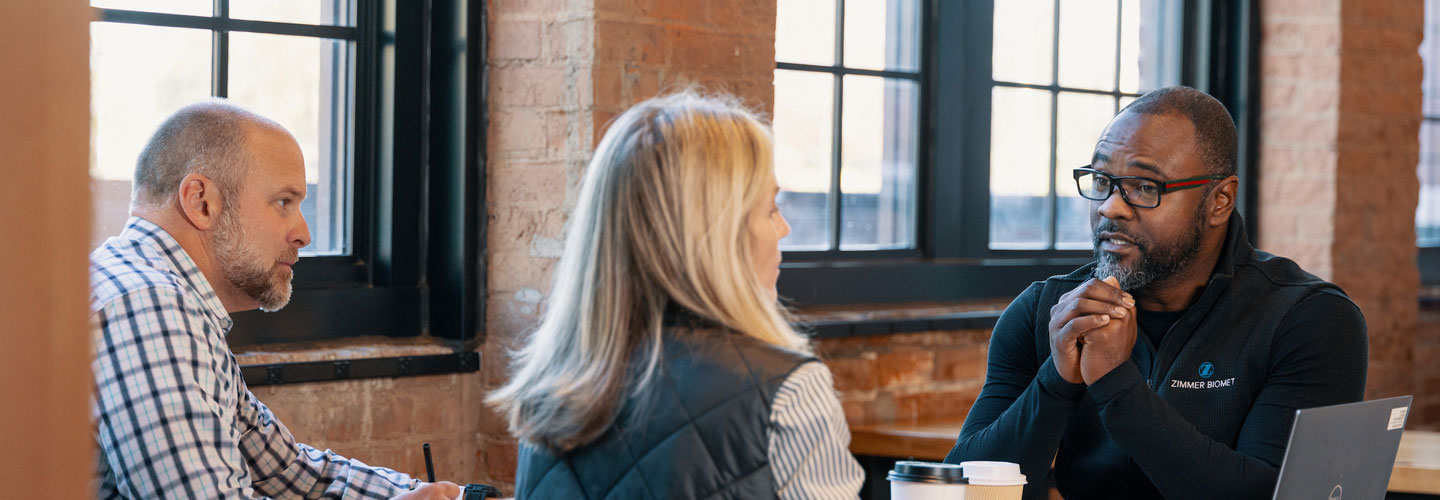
(850, 328)
(350, 369)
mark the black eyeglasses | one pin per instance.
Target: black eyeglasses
(1139, 192)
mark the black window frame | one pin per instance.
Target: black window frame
(415, 264)
(953, 260)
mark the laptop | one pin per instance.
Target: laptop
(1342, 451)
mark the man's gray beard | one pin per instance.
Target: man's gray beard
(242, 267)
(1156, 265)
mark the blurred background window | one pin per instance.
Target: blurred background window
(1427, 213)
(292, 61)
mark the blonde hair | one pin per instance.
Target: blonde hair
(661, 219)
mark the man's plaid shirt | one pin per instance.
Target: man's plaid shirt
(172, 415)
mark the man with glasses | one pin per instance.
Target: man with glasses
(1172, 366)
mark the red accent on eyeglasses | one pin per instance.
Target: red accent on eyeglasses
(1190, 183)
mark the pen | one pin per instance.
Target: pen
(429, 466)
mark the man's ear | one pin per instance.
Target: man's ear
(199, 200)
(1223, 201)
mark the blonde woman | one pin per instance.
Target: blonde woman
(664, 367)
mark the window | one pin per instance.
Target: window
(1062, 70)
(392, 214)
(147, 63)
(1427, 213)
(847, 123)
(941, 152)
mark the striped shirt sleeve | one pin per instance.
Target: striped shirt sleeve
(809, 446)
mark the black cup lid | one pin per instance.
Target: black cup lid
(928, 472)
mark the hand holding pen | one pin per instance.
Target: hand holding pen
(431, 490)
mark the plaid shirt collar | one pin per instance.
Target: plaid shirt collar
(155, 237)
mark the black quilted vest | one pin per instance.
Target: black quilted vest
(701, 432)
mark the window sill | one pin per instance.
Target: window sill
(883, 319)
(352, 358)
(916, 280)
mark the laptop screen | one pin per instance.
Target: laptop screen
(1342, 451)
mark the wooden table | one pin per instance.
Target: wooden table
(1417, 465)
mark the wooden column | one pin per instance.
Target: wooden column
(45, 437)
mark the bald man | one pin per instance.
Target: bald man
(1172, 366)
(215, 228)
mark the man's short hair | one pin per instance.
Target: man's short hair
(207, 138)
(1214, 129)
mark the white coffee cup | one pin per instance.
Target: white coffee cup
(926, 481)
(993, 480)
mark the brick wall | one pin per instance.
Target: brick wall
(1340, 96)
(1340, 104)
(1426, 406)
(379, 421)
(560, 70)
(908, 376)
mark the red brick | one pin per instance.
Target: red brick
(630, 43)
(669, 10)
(514, 40)
(967, 363)
(518, 129)
(533, 185)
(856, 412)
(343, 419)
(638, 85)
(500, 462)
(935, 405)
(904, 368)
(854, 374)
(393, 419)
(528, 85)
(608, 84)
(743, 16)
(441, 413)
(561, 128)
(527, 7)
(601, 123)
(694, 50)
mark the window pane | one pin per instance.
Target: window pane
(877, 176)
(1158, 32)
(318, 12)
(1024, 41)
(305, 85)
(882, 34)
(1430, 53)
(131, 92)
(1427, 214)
(805, 31)
(804, 134)
(1080, 118)
(1130, 46)
(1087, 44)
(1019, 168)
(189, 7)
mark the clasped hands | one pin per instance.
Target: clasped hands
(1092, 330)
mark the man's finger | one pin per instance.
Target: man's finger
(1078, 327)
(1105, 292)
